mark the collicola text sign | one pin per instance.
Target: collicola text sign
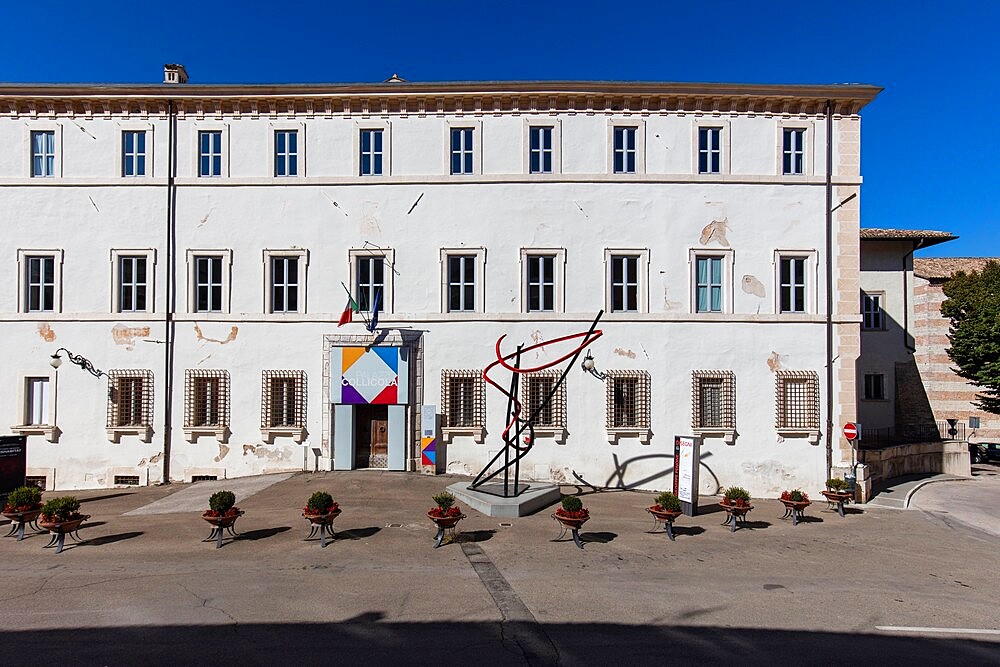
(687, 454)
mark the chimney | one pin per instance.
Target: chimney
(174, 74)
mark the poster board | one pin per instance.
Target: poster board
(13, 462)
(687, 457)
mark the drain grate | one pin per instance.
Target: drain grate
(505, 524)
(393, 525)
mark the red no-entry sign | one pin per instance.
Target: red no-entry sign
(850, 431)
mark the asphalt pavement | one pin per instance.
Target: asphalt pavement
(143, 588)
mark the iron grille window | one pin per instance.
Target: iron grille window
(792, 284)
(461, 283)
(461, 150)
(462, 403)
(35, 481)
(797, 399)
(709, 150)
(540, 150)
(126, 480)
(133, 153)
(130, 398)
(713, 399)
(624, 150)
(204, 478)
(371, 152)
(371, 279)
(535, 391)
(283, 399)
(627, 399)
(286, 153)
(793, 151)
(40, 283)
(206, 398)
(871, 311)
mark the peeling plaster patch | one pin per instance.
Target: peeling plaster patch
(459, 468)
(46, 333)
(537, 338)
(774, 362)
(126, 336)
(558, 475)
(369, 218)
(715, 231)
(233, 331)
(223, 451)
(155, 458)
(624, 353)
(248, 449)
(275, 454)
(205, 219)
(753, 286)
(769, 474)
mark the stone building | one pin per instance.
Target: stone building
(196, 243)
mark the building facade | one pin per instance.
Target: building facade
(198, 243)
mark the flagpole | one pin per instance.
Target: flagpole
(351, 297)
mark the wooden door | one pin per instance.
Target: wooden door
(380, 439)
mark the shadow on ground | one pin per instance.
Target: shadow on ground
(368, 640)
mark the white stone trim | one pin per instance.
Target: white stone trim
(477, 145)
(283, 126)
(303, 256)
(556, 125)
(371, 124)
(57, 148)
(227, 275)
(389, 255)
(50, 430)
(809, 145)
(22, 279)
(197, 127)
(812, 272)
(150, 255)
(728, 279)
(558, 275)
(725, 145)
(137, 126)
(642, 297)
(640, 145)
(479, 253)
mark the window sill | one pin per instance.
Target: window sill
(558, 433)
(728, 435)
(51, 433)
(478, 433)
(220, 433)
(115, 433)
(296, 433)
(616, 434)
(812, 435)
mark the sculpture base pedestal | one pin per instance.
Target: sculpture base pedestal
(535, 496)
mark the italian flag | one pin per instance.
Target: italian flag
(349, 310)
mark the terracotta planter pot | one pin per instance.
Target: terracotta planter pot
(24, 517)
(223, 521)
(63, 527)
(734, 510)
(570, 522)
(797, 505)
(322, 519)
(838, 496)
(663, 515)
(445, 521)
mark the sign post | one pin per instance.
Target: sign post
(852, 431)
(687, 455)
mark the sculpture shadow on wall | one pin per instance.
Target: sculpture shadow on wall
(616, 480)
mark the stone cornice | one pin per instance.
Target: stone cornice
(421, 99)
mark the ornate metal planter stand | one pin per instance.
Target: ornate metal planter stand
(444, 524)
(795, 509)
(570, 524)
(838, 499)
(18, 520)
(60, 529)
(665, 517)
(219, 525)
(322, 524)
(735, 515)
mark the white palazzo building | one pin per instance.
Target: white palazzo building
(191, 241)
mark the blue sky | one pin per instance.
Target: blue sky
(930, 143)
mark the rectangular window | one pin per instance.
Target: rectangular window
(624, 150)
(286, 153)
(792, 285)
(874, 387)
(541, 283)
(627, 399)
(793, 143)
(371, 152)
(462, 404)
(284, 284)
(461, 283)
(132, 284)
(461, 150)
(206, 397)
(283, 402)
(130, 398)
(540, 150)
(708, 284)
(709, 150)
(543, 400)
(210, 153)
(208, 283)
(40, 283)
(371, 280)
(43, 153)
(133, 153)
(624, 284)
(797, 396)
(871, 312)
(713, 400)
(36, 408)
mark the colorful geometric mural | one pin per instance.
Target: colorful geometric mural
(371, 375)
(427, 451)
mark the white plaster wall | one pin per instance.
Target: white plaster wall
(504, 211)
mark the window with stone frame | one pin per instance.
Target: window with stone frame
(797, 400)
(130, 403)
(627, 399)
(206, 403)
(462, 400)
(543, 399)
(283, 404)
(713, 400)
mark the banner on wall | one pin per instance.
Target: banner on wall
(370, 375)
